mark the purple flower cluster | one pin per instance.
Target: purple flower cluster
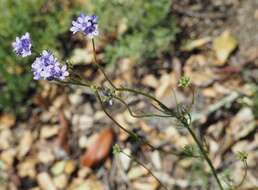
(22, 45)
(47, 67)
(85, 24)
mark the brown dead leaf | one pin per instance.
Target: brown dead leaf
(99, 149)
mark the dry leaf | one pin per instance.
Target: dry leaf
(7, 120)
(137, 172)
(61, 181)
(45, 182)
(223, 46)
(58, 168)
(99, 149)
(25, 144)
(27, 168)
(70, 166)
(151, 81)
(196, 44)
(48, 131)
(199, 71)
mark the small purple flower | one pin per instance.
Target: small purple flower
(47, 67)
(86, 24)
(22, 45)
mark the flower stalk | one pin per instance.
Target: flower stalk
(47, 67)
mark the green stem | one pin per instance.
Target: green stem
(73, 82)
(99, 67)
(206, 157)
(138, 116)
(132, 134)
(110, 116)
(145, 167)
(123, 89)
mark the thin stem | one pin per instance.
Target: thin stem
(99, 67)
(110, 116)
(157, 108)
(145, 167)
(148, 96)
(138, 116)
(206, 157)
(132, 134)
(244, 177)
(75, 83)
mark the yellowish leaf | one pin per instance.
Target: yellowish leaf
(194, 44)
(223, 46)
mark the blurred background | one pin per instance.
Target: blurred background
(46, 128)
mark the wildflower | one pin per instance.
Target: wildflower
(47, 67)
(22, 45)
(86, 24)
